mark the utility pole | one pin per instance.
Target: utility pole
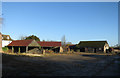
(119, 23)
(0, 25)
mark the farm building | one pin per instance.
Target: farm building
(26, 45)
(93, 46)
(70, 47)
(23, 45)
(6, 39)
(116, 49)
(55, 46)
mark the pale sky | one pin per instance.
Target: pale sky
(78, 21)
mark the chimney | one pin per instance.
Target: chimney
(0, 42)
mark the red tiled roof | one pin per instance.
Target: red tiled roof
(49, 44)
(20, 43)
(27, 42)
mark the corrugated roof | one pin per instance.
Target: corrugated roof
(92, 43)
(20, 42)
(49, 44)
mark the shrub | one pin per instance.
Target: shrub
(48, 51)
(78, 50)
(72, 50)
(5, 48)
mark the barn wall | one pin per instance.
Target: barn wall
(92, 50)
(5, 43)
(106, 47)
(82, 49)
(61, 49)
(30, 48)
(34, 44)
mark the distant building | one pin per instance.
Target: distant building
(93, 46)
(116, 49)
(6, 39)
(70, 47)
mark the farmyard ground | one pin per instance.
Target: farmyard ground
(61, 65)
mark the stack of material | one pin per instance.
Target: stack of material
(35, 51)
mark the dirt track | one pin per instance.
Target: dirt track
(60, 65)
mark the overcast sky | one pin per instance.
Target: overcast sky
(78, 21)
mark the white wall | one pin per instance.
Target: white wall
(5, 43)
(106, 46)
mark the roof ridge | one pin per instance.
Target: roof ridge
(48, 41)
(93, 41)
(23, 40)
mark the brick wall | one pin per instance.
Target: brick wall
(0, 42)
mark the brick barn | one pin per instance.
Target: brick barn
(23, 45)
(26, 45)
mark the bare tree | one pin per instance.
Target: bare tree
(63, 40)
(22, 37)
(63, 43)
